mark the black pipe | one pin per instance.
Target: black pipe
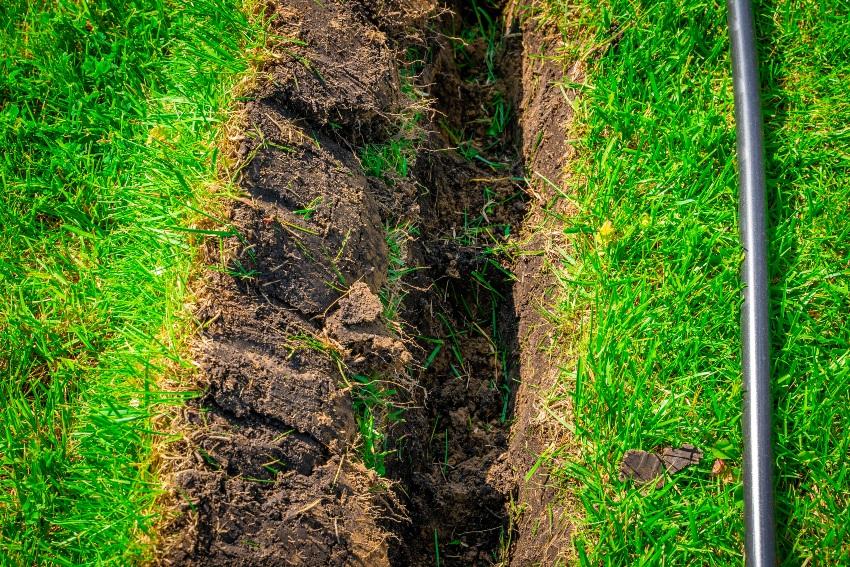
(760, 538)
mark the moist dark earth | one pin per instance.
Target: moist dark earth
(344, 297)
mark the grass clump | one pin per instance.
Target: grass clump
(109, 119)
(394, 157)
(375, 412)
(394, 291)
(655, 264)
(483, 32)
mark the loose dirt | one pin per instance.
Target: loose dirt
(542, 531)
(361, 344)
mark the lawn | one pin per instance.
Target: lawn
(110, 124)
(654, 277)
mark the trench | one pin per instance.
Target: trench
(448, 455)
(358, 310)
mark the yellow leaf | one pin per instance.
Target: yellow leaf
(606, 232)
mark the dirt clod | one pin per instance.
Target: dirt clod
(358, 326)
(338, 71)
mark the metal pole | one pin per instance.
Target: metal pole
(755, 335)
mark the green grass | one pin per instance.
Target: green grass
(110, 117)
(486, 31)
(654, 278)
(396, 288)
(374, 412)
(394, 156)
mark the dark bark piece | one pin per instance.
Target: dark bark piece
(641, 466)
(677, 459)
(644, 467)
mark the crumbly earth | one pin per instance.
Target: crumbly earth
(543, 529)
(296, 317)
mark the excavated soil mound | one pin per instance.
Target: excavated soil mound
(356, 319)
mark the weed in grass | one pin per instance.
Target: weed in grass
(455, 337)
(395, 157)
(446, 452)
(397, 239)
(500, 117)
(238, 270)
(316, 343)
(307, 212)
(485, 319)
(467, 148)
(415, 59)
(479, 230)
(486, 32)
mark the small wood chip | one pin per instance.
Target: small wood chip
(677, 459)
(644, 467)
(641, 466)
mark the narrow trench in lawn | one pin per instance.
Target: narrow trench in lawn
(448, 452)
(359, 312)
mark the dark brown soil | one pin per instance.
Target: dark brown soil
(300, 326)
(543, 528)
